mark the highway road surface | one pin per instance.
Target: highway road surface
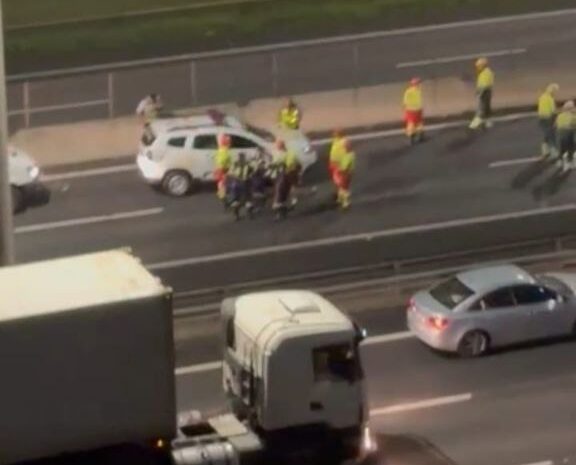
(454, 192)
(514, 407)
(535, 44)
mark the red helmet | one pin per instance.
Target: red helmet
(415, 81)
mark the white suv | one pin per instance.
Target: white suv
(173, 156)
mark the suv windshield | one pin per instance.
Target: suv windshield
(263, 133)
(451, 293)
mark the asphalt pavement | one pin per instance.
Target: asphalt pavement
(454, 192)
(513, 407)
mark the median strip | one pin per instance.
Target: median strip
(331, 241)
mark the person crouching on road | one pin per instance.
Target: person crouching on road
(149, 108)
(344, 174)
(290, 115)
(484, 86)
(413, 116)
(223, 163)
(547, 119)
(288, 177)
(565, 131)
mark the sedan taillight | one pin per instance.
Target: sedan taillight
(438, 323)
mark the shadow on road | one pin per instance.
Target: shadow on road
(408, 450)
(532, 171)
(461, 141)
(552, 185)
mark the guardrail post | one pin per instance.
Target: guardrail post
(193, 84)
(110, 95)
(275, 72)
(26, 103)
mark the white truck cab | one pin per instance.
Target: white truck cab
(292, 369)
(24, 176)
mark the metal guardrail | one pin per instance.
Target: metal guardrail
(394, 274)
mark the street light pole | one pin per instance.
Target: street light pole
(6, 222)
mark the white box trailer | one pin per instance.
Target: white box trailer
(85, 349)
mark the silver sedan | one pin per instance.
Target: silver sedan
(494, 306)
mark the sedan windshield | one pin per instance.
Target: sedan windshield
(451, 293)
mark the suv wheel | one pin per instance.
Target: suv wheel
(177, 183)
(473, 344)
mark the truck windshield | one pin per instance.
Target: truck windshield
(339, 362)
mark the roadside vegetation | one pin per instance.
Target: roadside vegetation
(213, 27)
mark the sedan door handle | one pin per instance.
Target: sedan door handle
(315, 406)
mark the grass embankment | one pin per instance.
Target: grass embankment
(219, 27)
(18, 13)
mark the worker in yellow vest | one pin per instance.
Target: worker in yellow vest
(413, 116)
(546, 118)
(290, 169)
(336, 151)
(223, 163)
(346, 166)
(290, 115)
(484, 87)
(565, 131)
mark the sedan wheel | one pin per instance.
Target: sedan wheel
(177, 183)
(473, 344)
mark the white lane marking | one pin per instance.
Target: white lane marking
(422, 404)
(88, 220)
(91, 172)
(513, 162)
(392, 337)
(317, 142)
(545, 462)
(433, 127)
(210, 366)
(457, 58)
(192, 369)
(361, 237)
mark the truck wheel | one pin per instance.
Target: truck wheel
(18, 204)
(177, 183)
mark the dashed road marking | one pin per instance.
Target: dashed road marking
(457, 58)
(88, 220)
(422, 404)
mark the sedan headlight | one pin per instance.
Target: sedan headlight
(34, 172)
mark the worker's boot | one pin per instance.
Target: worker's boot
(475, 123)
(545, 150)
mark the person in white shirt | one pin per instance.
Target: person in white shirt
(149, 108)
